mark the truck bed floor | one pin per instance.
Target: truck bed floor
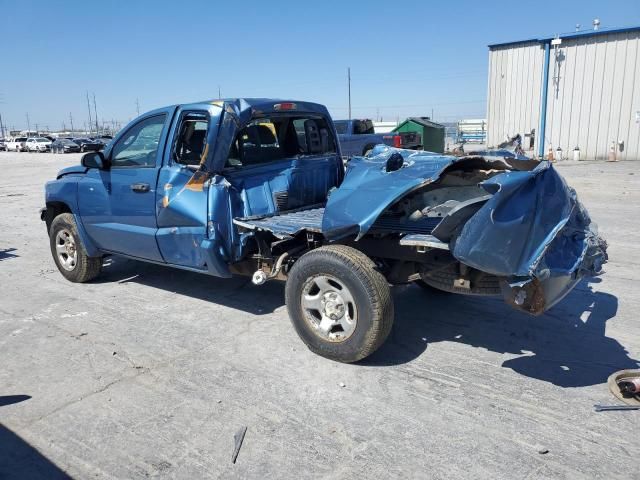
(287, 223)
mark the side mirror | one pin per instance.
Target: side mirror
(94, 160)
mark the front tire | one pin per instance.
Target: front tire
(69, 253)
(339, 304)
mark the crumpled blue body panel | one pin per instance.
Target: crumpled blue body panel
(533, 232)
(368, 189)
(532, 226)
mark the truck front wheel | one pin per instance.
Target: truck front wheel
(69, 253)
(339, 304)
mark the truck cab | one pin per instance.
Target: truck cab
(176, 178)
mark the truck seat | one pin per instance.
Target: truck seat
(313, 137)
(192, 148)
(258, 144)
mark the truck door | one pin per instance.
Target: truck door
(117, 206)
(182, 193)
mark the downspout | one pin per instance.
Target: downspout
(543, 101)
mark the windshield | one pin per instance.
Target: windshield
(41, 140)
(341, 127)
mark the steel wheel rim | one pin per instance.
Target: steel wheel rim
(66, 250)
(329, 308)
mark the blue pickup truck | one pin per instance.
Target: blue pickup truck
(257, 187)
(358, 137)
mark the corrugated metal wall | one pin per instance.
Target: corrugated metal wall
(593, 94)
(595, 101)
(515, 76)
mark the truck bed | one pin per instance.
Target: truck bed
(286, 224)
(290, 223)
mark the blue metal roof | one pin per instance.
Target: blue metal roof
(584, 33)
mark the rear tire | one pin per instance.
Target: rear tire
(339, 304)
(69, 253)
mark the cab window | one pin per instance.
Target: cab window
(267, 140)
(139, 145)
(191, 140)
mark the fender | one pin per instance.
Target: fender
(64, 191)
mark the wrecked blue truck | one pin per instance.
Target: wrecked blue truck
(257, 187)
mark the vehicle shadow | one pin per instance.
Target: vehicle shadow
(7, 253)
(19, 460)
(566, 346)
(237, 292)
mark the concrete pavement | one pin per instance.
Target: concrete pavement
(149, 371)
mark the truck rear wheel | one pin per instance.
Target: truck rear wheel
(69, 253)
(339, 304)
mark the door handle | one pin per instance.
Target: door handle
(140, 187)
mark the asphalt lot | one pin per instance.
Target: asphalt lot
(149, 371)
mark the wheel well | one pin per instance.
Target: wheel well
(53, 210)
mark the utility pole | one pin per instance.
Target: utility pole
(138, 107)
(28, 124)
(71, 120)
(1, 127)
(89, 108)
(37, 129)
(95, 110)
(349, 87)
(219, 95)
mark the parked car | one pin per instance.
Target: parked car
(86, 144)
(3, 145)
(17, 144)
(358, 137)
(102, 141)
(38, 144)
(233, 187)
(63, 145)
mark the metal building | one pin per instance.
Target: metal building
(579, 90)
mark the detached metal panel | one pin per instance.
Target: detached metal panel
(515, 76)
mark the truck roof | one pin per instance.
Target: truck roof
(255, 105)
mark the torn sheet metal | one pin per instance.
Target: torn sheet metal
(368, 189)
(534, 232)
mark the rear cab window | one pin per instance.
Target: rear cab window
(363, 127)
(279, 137)
(341, 127)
